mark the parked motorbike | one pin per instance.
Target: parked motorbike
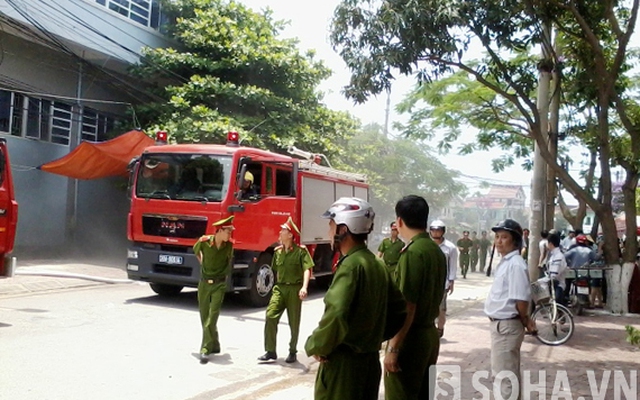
(579, 291)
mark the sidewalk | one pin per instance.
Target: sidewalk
(41, 276)
(597, 345)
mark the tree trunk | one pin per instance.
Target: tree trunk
(618, 280)
(629, 193)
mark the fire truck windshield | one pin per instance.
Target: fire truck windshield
(190, 177)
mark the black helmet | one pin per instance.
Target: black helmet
(509, 225)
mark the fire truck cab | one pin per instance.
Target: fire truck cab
(8, 212)
(178, 191)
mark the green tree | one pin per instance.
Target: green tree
(455, 103)
(396, 167)
(229, 70)
(431, 39)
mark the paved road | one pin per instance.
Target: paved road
(69, 338)
(64, 338)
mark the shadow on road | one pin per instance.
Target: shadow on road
(234, 303)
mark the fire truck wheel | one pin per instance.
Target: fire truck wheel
(165, 290)
(263, 280)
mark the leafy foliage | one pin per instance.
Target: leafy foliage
(455, 103)
(229, 71)
(398, 167)
(633, 335)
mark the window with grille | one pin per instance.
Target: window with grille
(89, 125)
(17, 114)
(61, 123)
(95, 126)
(38, 118)
(50, 121)
(5, 111)
(144, 12)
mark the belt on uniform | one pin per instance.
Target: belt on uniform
(213, 281)
(504, 319)
(289, 283)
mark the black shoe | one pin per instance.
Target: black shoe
(204, 358)
(269, 355)
(291, 358)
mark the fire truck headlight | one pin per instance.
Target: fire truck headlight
(132, 254)
(132, 267)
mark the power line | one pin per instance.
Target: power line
(53, 41)
(54, 96)
(489, 180)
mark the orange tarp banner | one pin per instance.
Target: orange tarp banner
(99, 160)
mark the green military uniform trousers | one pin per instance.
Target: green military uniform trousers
(464, 260)
(348, 376)
(474, 260)
(418, 353)
(210, 296)
(483, 259)
(284, 297)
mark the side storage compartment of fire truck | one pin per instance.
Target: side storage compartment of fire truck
(320, 187)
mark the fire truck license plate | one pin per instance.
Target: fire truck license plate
(583, 290)
(167, 259)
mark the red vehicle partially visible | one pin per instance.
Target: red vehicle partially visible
(8, 210)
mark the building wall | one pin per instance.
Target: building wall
(43, 226)
(44, 72)
(41, 196)
(90, 27)
(103, 207)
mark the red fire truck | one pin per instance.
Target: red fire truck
(8, 211)
(178, 191)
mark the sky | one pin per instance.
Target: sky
(309, 22)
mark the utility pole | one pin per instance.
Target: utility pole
(539, 166)
(75, 137)
(554, 126)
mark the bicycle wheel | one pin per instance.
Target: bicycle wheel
(553, 330)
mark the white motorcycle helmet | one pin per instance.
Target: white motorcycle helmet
(353, 212)
(437, 224)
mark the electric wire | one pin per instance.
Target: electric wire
(52, 40)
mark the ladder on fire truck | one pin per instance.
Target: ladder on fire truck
(311, 166)
(310, 162)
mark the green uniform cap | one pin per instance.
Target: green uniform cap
(224, 223)
(291, 226)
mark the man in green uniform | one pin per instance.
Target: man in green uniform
(292, 264)
(420, 275)
(484, 245)
(389, 249)
(363, 307)
(464, 246)
(214, 252)
(475, 247)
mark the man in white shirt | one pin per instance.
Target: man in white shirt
(437, 230)
(557, 265)
(544, 250)
(568, 241)
(507, 306)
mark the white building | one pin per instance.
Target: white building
(63, 79)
